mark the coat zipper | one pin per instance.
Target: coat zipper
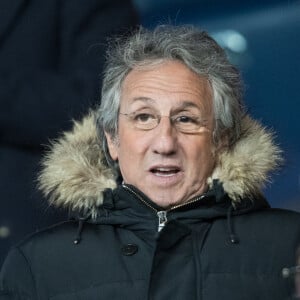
(162, 214)
(162, 219)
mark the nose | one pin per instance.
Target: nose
(165, 137)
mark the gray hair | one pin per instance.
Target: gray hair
(188, 44)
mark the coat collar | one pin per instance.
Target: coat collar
(128, 207)
(74, 174)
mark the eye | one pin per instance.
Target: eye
(143, 117)
(185, 119)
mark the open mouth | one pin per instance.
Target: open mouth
(165, 171)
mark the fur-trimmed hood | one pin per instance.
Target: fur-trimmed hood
(74, 174)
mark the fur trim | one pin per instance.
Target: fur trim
(73, 171)
(74, 174)
(244, 169)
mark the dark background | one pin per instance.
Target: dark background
(263, 40)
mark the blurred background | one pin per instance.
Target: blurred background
(46, 79)
(263, 39)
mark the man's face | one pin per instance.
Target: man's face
(168, 165)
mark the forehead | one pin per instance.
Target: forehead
(166, 83)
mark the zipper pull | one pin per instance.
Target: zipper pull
(162, 219)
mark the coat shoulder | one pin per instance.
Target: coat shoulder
(273, 222)
(279, 216)
(63, 235)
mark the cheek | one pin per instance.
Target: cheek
(132, 147)
(203, 153)
(132, 157)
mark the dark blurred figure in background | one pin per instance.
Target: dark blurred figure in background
(51, 56)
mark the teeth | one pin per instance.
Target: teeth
(165, 171)
(164, 174)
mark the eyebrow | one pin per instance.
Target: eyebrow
(183, 104)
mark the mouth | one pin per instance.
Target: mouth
(165, 171)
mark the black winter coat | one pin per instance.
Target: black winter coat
(206, 250)
(227, 244)
(51, 57)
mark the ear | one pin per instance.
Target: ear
(112, 146)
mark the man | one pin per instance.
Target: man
(166, 192)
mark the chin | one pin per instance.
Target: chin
(165, 202)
